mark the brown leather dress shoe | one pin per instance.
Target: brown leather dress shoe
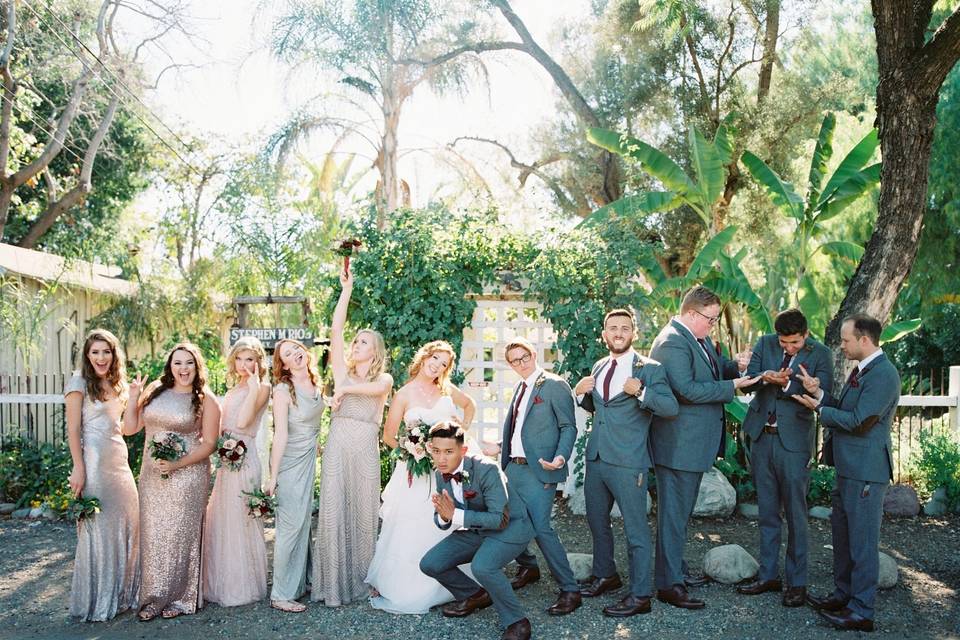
(525, 576)
(795, 597)
(599, 586)
(827, 603)
(690, 581)
(678, 597)
(847, 620)
(463, 608)
(629, 606)
(567, 602)
(757, 587)
(519, 630)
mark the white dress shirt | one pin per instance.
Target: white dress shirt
(516, 444)
(458, 497)
(623, 372)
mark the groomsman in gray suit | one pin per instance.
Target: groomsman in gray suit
(490, 530)
(537, 440)
(857, 443)
(686, 446)
(624, 391)
(783, 435)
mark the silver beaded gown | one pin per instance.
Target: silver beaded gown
(346, 532)
(171, 512)
(106, 573)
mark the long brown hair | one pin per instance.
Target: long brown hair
(199, 380)
(116, 374)
(428, 350)
(283, 375)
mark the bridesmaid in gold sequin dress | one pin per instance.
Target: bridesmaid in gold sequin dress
(346, 532)
(172, 508)
(106, 572)
(234, 552)
(297, 407)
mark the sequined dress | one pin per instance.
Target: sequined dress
(171, 512)
(346, 532)
(106, 573)
(298, 470)
(234, 552)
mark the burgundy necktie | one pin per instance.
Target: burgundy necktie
(852, 380)
(772, 416)
(713, 363)
(607, 379)
(516, 405)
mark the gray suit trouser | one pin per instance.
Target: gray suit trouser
(855, 525)
(676, 497)
(487, 558)
(539, 501)
(605, 484)
(781, 478)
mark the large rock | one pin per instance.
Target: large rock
(582, 565)
(889, 572)
(22, 513)
(578, 503)
(717, 497)
(729, 564)
(821, 513)
(937, 504)
(36, 512)
(901, 501)
(748, 510)
(7, 508)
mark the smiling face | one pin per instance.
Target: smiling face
(243, 362)
(792, 344)
(435, 365)
(618, 334)
(183, 367)
(100, 356)
(294, 357)
(701, 321)
(447, 453)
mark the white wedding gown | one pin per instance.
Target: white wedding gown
(408, 531)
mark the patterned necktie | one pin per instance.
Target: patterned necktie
(607, 379)
(713, 363)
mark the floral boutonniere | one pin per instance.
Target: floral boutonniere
(468, 494)
(808, 348)
(540, 381)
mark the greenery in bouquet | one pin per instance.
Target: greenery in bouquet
(259, 503)
(169, 446)
(230, 452)
(82, 507)
(413, 449)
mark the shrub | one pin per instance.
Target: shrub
(938, 465)
(31, 474)
(822, 480)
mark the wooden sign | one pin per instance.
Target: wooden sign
(271, 336)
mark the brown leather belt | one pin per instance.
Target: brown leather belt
(518, 460)
(769, 428)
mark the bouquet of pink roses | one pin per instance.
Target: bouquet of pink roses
(259, 504)
(231, 451)
(166, 445)
(413, 449)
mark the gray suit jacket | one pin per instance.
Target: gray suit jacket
(487, 508)
(796, 425)
(621, 426)
(858, 442)
(549, 427)
(690, 442)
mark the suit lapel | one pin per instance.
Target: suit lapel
(682, 330)
(468, 469)
(534, 393)
(634, 372)
(863, 372)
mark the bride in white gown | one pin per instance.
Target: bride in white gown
(408, 531)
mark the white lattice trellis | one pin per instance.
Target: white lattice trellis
(489, 379)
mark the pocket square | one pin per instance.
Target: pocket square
(537, 400)
(469, 494)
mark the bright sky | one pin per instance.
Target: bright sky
(240, 93)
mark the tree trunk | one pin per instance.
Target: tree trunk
(771, 32)
(388, 158)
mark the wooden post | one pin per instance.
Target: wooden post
(953, 391)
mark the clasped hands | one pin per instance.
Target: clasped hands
(443, 505)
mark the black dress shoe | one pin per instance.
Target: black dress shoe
(599, 586)
(828, 603)
(567, 602)
(462, 608)
(757, 587)
(677, 596)
(847, 620)
(525, 576)
(795, 597)
(629, 606)
(691, 581)
(519, 630)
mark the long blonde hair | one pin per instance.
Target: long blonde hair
(283, 375)
(116, 374)
(379, 363)
(246, 343)
(427, 350)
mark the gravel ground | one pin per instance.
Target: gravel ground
(36, 561)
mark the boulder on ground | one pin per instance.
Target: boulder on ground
(901, 501)
(889, 572)
(821, 513)
(729, 564)
(582, 565)
(717, 498)
(748, 510)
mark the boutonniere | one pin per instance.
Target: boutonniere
(468, 494)
(808, 348)
(537, 400)
(540, 381)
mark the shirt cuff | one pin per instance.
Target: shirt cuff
(457, 519)
(820, 398)
(643, 394)
(580, 398)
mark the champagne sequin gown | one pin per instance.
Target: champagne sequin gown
(171, 512)
(346, 532)
(298, 470)
(234, 552)
(106, 571)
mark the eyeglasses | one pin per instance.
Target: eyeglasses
(522, 360)
(711, 319)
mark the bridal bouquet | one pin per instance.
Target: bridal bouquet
(413, 449)
(259, 504)
(231, 451)
(83, 507)
(167, 446)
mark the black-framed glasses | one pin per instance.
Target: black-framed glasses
(711, 319)
(522, 360)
